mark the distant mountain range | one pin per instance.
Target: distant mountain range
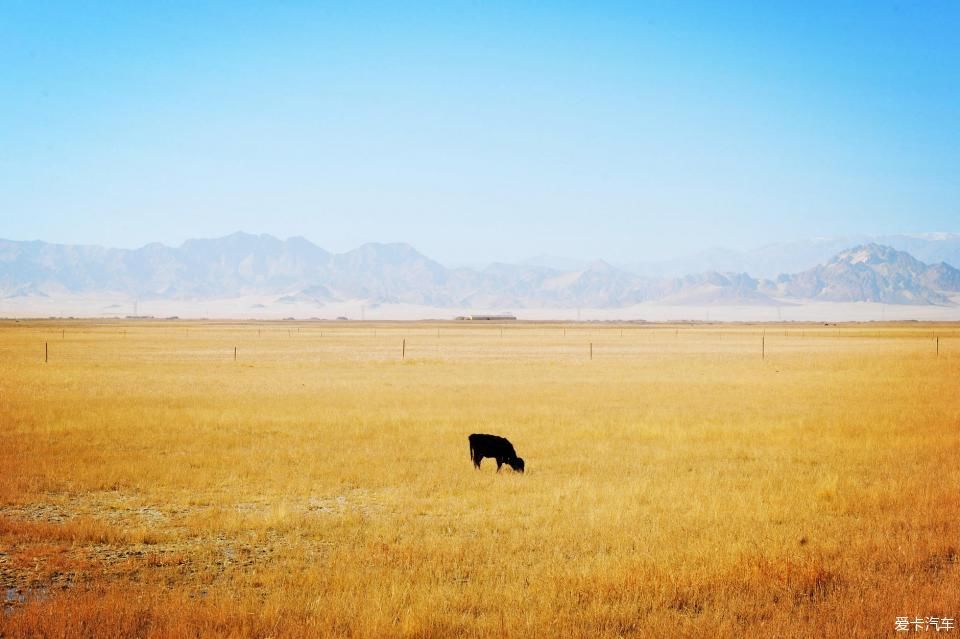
(771, 260)
(297, 271)
(870, 273)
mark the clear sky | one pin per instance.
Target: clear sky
(479, 131)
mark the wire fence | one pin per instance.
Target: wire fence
(252, 342)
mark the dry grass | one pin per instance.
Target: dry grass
(677, 484)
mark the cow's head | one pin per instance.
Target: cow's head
(517, 464)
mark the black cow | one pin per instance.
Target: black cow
(498, 448)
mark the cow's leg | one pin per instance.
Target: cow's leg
(499, 463)
(477, 458)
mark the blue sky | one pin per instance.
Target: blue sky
(479, 131)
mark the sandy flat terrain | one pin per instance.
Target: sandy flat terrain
(267, 308)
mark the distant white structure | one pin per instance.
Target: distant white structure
(487, 318)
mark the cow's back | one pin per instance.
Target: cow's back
(495, 444)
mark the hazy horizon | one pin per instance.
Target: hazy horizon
(532, 255)
(492, 133)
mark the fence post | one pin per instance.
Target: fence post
(46, 352)
(763, 347)
(591, 351)
(403, 349)
(234, 353)
(938, 346)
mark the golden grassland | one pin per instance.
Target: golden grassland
(678, 484)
